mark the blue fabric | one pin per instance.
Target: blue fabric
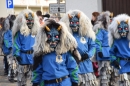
(22, 44)
(85, 46)
(50, 69)
(102, 44)
(121, 49)
(7, 42)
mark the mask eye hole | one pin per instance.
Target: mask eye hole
(126, 28)
(77, 22)
(71, 22)
(57, 36)
(120, 28)
(27, 21)
(48, 36)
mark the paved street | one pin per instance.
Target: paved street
(4, 79)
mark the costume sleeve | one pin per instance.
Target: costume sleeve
(8, 39)
(113, 52)
(73, 68)
(37, 75)
(17, 45)
(99, 38)
(91, 48)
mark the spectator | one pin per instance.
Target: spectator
(39, 15)
(46, 16)
(94, 17)
(41, 20)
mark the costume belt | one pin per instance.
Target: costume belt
(105, 46)
(127, 59)
(28, 51)
(58, 80)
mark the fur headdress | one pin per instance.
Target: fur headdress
(102, 22)
(20, 24)
(85, 28)
(113, 30)
(67, 41)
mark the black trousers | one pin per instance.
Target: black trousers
(6, 64)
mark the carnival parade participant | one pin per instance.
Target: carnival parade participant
(94, 61)
(24, 31)
(6, 39)
(54, 64)
(102, 47)
(80, 26)
(94, 17)
(119, 40)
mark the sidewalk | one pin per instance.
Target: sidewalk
(4, 79)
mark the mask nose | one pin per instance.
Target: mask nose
(123, 30)
(53, 39)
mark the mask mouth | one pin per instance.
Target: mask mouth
(53, 44)
(75, 29)
(30, 26)
(124, 34)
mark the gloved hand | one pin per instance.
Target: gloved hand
(116, 64)
(84, 57)
(18, 58)
(10, 48)
(35, 84)
(74, 84)
(100, 54)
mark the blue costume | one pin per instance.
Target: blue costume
(7, 45)
(102, 44)
(85, 48)
(54, 64)
(21, 47)
(6, 39)
(81, 28)
(119, 39)
(6, 48)
(102, 47)
(49, 69)
(121, 49)
(24, 32)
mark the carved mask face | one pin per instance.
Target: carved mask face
(123, 29)
(53, 31)
(30, 20)
(53, 37)
(74, 24)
